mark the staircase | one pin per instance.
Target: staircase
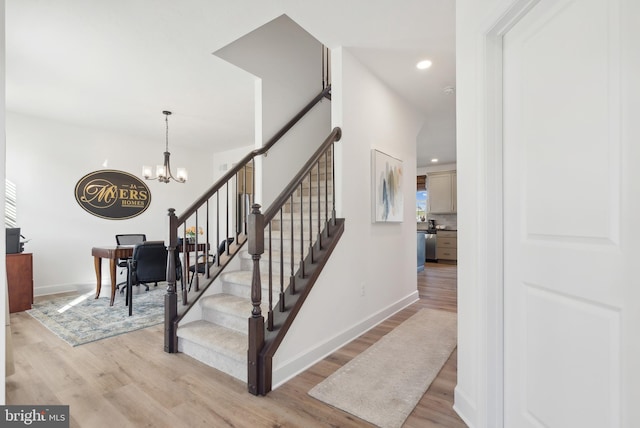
(220, 339)
(287, 247)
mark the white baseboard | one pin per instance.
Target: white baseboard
(298, 364)
(47, 290)
(463, 407)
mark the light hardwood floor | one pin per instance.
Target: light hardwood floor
(128, 381)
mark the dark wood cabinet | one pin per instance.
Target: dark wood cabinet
(20, 281)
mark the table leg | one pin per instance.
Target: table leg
(97, 262)
(112, 268)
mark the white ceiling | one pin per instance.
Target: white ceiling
(117, 64)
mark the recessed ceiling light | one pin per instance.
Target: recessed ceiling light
(423, 65)
(434, 160)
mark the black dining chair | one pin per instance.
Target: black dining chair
(148, 264)
(128, 239)
(200, 267)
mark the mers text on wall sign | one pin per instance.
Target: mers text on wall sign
(112, 194)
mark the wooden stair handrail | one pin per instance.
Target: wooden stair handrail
(257, 152)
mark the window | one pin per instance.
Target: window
(421, 205)
(10, 203)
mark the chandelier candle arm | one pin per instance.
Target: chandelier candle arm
(163, 172)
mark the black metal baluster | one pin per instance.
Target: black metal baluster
(333, 184)
(195, 272)
(326, 186)
(302, 274)
(184, 258)
(227, 230)
(217, 228)
(311, 258)
(282, 305)
(270, 313)
(292, 282)
(319, 207)
(240, 193)
(251, 200)
(207, 241)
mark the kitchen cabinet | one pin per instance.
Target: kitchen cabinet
(447, 246)
(442, 190)
(421, 182)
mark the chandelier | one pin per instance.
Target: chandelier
(163, 172)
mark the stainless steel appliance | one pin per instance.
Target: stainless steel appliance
(430, 246)
(421, 247)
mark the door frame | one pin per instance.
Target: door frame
(490, 260)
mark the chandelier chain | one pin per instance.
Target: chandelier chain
(163, 172)
(166, 119)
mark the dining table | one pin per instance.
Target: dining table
(115, 252)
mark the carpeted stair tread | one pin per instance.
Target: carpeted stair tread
(217, 338)
(228, 304)
(244, 277)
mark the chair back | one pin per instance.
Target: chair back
(149, 261)
(223, 245)
(131, 238)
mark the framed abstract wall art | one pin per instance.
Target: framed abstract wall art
(387, 187)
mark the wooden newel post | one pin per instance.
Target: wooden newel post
(171, 298)
(256, 321)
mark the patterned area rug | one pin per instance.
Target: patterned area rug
(384, 383)
(83, 319)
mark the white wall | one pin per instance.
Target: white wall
(224, 161)
(288, 61)
(371, 273)
(46, 159)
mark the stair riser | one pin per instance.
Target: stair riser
(244, 291)
(232, 321)
(247, 264)
(287, 245)
(297, 224)
(234, 367)
(314, 192)
(298, 234)
(305, 209)
(324, 178)
(314, 198)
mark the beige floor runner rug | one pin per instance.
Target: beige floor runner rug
(383, 384)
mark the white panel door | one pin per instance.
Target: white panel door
(571, 245)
